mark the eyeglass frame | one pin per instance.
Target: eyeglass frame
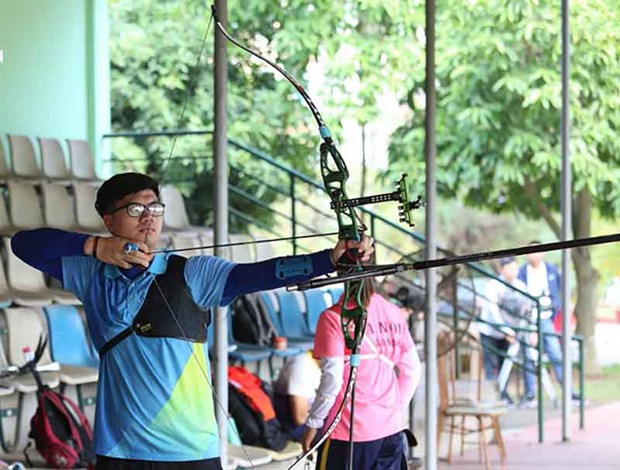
(145, 208)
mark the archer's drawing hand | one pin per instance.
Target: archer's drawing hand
(111, 250)
(365, 248)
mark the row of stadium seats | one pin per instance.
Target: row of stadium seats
(70, 205)
(294, 316)
(21, 161)
(68, 345)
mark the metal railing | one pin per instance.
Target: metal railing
(295, 191)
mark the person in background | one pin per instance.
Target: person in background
(387, 378)
(506, 306)
(544, 282)
(294, 392)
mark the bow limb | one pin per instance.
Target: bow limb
(335, 175)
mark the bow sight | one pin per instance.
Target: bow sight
(405, 206)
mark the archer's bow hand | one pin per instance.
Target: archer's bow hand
(365, 248)
(111, 250)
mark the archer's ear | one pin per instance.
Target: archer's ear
(107, 220)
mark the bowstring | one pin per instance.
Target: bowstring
(216, 397)
(253, 242)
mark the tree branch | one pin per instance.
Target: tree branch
(532, 192)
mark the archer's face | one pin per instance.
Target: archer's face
(145, 228)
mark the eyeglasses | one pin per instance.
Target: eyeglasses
(135, 209)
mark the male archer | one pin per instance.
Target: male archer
(147, 316)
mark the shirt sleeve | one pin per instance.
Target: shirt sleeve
(300, 381)
(409, 372)
(206, 277)
(44, 248)
(247, 278)
(77, 272)
(328, 339)
(332, 378)
(494, 292)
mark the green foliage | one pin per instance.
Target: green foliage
(498, 66)
(154, 51)
(499, 101)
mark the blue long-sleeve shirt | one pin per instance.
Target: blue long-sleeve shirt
(44, 249)
(154, 400)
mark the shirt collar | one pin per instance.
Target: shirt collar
(157, 266)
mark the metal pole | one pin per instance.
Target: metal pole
(430, 319)
(582, 383)
(566, 224)
(293, 212)
(539, 371)
(220, 146)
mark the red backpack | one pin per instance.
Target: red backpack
(61, 432)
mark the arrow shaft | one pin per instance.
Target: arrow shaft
(385, 270)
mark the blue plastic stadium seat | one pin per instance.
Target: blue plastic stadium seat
(272, 309)
(240, 352)
(267, 301)
(316, 303)
(68, 340)
(336, 292)
(294, 326)
(243, 352)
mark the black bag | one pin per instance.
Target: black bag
(249, 404)
(251, 322)
(514, 307)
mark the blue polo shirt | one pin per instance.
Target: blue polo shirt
(153, 399)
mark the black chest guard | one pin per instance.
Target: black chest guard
(167, 292)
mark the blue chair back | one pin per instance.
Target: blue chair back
(69, 343)
(316, 303)
(293, 321)
(272, 311)
(336, 292)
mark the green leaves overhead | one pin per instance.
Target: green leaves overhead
(498, 78)
(499, 101)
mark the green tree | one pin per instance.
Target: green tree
(499, 101)
(154, 47)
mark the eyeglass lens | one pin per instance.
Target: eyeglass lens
(156, 209)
